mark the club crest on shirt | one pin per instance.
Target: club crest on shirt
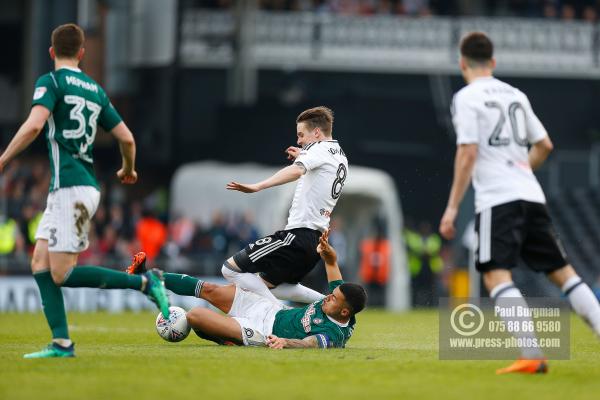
(39, 92)
(317, 321)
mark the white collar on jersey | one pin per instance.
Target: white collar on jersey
(338, 323)
(71, 68)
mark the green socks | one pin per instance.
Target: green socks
(53, 305)
(184, 285)
(103, 278)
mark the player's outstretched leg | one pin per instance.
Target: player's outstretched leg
(150, 282)
(181, 284)
(298, 293)
(582, 299)
(246, 280)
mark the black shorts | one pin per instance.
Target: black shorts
(285, 256)
(518, 229)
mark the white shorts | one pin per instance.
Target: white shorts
(255, 314)
(66, 220)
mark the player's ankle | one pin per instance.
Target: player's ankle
(63, 342)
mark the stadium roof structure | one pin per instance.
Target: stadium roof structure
(198, 192)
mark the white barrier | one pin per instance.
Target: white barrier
(21, 294)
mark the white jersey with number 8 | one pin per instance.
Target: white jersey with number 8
(319, 189)
(499, 119)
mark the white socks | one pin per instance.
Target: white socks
(583, 301)
(63, 342)
(248, 281)
(284, 291)
(508, 290)
(297, 293)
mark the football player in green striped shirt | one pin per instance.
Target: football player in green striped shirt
(69, 106)
(253, 320)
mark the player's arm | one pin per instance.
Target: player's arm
(466, 155)
(26, 134)
(329, 257)
(277, 343)
(126, 141)
(539, 152)
(285, 175)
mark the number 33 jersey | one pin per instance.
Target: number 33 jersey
(319, 189)
(77, 106)
(499, 119)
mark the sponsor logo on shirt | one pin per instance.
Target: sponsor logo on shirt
(39, 92)
(310, 311)
(325, 212)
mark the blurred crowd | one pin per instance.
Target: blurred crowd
(587, 10)
(120, 228)
(125, 224)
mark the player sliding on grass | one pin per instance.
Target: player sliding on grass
(494, 125)
(284, 258)
(68, 105)
(254, 320)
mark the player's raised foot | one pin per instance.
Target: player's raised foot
(53, 350)
(155, 290)
(138, 264)
(525, 366)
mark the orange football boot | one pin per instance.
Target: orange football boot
(138, 264)
(525, 366)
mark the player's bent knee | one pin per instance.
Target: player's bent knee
(38, 264)
(228, 273)
(57, 276)
(192, 316)
(195, 316)
(40, 260)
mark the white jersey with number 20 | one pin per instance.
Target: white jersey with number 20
(319, 189)
(499, 119)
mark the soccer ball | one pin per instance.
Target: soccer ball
(174, 329)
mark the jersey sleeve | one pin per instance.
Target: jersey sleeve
(334, 284)
(109, 117)
(310, 157)
(464, 119)
(45, 92)
(535, 128)
(329, 339)
(323, 341)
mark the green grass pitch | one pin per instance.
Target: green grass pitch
(119, 356)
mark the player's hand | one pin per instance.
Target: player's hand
(447, 229)
(325, 250)
(243, 187)
(293, 152)
(127, 177)
(275, 342)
